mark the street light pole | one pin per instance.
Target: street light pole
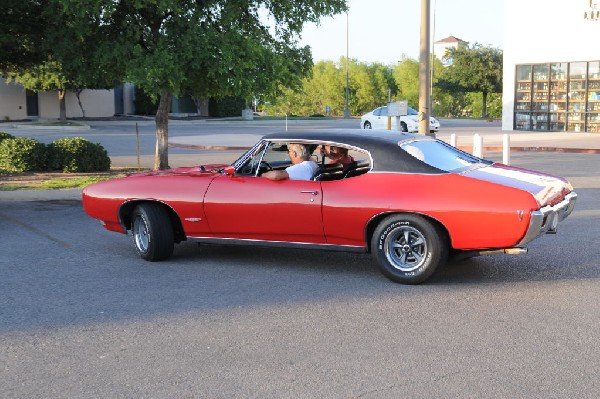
(346, 109)
(424, 70)
(433, 57)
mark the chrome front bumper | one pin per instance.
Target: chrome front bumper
(545, 220)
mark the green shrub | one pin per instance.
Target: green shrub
(4, 136)
(77, 155)
(22, 154)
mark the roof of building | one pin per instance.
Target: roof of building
(450, 39)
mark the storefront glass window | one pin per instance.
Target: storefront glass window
(558, 97)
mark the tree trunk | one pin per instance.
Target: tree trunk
(161, 156)
(63, 106)
(484, 105)
(78, 95)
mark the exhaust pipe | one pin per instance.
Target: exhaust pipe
(508, 251)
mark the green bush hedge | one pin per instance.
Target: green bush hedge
(22, 154)
(77, 155)
(4, 136)
(70, 155)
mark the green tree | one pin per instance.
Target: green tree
(212, 48)
(326, 86)
(406, 75)
(474, 69)
(21, 34)
(42, 49)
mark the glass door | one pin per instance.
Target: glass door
(523, 98)
(540, 101)
(593, 98)
(576, 96)
(558, 97)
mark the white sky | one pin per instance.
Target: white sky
(384, 30)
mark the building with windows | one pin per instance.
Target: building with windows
(551, 66)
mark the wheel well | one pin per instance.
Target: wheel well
(127, 209)
(374, 222)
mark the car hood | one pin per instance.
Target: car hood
(546, 189)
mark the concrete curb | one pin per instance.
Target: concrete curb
(50, 127)
(41, 195)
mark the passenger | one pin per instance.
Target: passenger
(337, 154)
(303, 168)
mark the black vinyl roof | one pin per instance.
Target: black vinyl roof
(383, 146)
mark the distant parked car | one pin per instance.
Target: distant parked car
(377, 119)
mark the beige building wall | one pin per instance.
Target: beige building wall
(96, 103)
(545, 31)
(12, 101)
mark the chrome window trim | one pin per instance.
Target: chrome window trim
(333, 143)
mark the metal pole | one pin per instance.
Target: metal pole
(137, 146)
(432, 60)
(347, 110)
(424, 70)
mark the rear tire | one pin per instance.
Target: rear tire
(152, 232)
(403, 126)
(408, 248)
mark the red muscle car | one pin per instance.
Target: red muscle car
(410, 200)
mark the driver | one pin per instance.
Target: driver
(303, 168)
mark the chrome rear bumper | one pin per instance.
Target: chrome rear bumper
(545, 220)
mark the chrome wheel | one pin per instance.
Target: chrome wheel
(140, 233)
(152, 232)
(405, 248)
(409, 248)
(367, 125)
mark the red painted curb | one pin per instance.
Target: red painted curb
(538, 149)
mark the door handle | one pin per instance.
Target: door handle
(309, 192)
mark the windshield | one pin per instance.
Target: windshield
(442, 156)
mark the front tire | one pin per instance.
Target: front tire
(403, 126)
(367, 125)
(152, 232)
(408, 248)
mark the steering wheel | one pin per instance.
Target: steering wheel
(264, 167)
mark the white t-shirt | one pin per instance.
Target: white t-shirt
(302, 171)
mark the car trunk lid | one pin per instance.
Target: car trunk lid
(546, 189)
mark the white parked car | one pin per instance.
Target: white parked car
(377, 119)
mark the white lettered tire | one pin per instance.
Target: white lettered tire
(409, 248)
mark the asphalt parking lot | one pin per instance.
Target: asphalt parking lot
(82, 316)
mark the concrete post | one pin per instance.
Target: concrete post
(453, 139)
(477, 145)
(506, 149)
